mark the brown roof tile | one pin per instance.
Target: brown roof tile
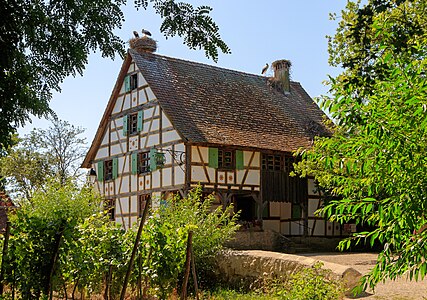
(213, 105)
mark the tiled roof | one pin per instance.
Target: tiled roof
(212, 105)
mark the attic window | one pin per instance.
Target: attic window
(143, 162)
(133, 81)
(226, 159)
(133, 123)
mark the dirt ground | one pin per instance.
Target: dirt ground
(390, 290)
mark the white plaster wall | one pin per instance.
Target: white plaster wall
(106, 138)
(165, 121)
(150, 94)
(153, 140)
(126, 104)
(141, 80)
(124, 205)
(197, 174)
(170, 136)
(115, 149)
(156, 179)
(167, 177)
(142, 99)
(125, 184)
(253, 177)
(101, 153)
(179, 176)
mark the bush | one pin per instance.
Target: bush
(313, 283)
(164, 239)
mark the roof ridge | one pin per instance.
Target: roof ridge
(200, 64)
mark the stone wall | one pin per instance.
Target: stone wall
(258, 240)
(235, 266)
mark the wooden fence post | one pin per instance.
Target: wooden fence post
(135, 248)
(58, 237)
(193, 269)
(187, 266)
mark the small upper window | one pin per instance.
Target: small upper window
(108, 169)
(226, 159)
(133, 81)
(133, 123)
(143, 162)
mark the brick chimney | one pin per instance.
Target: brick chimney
(281, 75)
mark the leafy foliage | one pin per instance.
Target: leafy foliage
(165, 237)
(93, 252)
(42, 155)
(36, 228)
(43, 42)
(375, 161)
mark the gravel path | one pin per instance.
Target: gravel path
(390, 290)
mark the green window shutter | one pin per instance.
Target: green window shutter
(100, 172)
(265, 213)
(140, 120)
(134, 159)
(296, 211)
(127, 83)
(213, 158)
(153, 164)
(125, 125)
(115, 167)
(239, 160)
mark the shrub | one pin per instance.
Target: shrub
(163, 242)
(312, 283)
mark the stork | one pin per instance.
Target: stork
(146, 32)
(135, 33)
(264, 70)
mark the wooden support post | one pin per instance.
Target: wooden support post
(187, 266)
(135, 248)
(58, 237)
(4, 255)
(193, 269)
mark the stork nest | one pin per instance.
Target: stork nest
(285, 62)
(143, 44)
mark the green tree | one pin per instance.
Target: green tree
(62, 146)
(375, 161)
(43, 42)
(52, 216)
(42, 155)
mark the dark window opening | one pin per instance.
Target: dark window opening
(143, 162)
(110, 208)
(247, 208)
(226, 159)
(108, 170)
(133, 124)
(133, 81)
(142, 203)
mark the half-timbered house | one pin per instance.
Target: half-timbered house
(172, 124)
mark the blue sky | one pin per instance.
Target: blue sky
(258, 32)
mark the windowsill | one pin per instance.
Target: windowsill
(223, 170)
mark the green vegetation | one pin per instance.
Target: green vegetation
(43, 42)
(305, 284)
(60, 243)
(375, 161)
(41, 156)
